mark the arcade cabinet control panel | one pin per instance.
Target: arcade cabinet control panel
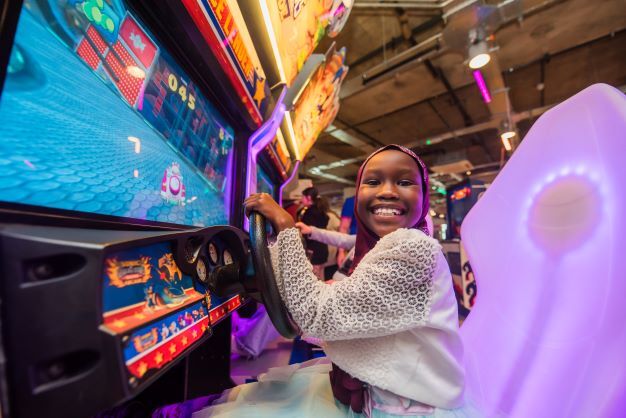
(94, 309)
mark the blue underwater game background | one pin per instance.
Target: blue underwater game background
(65, 137)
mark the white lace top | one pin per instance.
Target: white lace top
(393, 323)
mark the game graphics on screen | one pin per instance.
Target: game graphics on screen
(143, 142)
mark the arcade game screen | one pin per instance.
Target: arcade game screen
(97, 117)
(263, 182)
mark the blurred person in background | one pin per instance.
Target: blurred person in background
(293, 206)
(313, 213)
(347, 226)
(330, 267)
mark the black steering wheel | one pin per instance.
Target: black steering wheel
(266, 280)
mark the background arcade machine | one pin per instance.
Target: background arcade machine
(116, 145)
(460, 198)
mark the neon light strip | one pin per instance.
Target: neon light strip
(482, 86)
(258, 141)
(273, 41)
(292, 136)
(282, 186)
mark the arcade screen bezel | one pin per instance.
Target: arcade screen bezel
(183, 47)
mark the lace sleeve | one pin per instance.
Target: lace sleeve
(275, 266)
(388, 292)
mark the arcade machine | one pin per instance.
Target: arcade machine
(119, 144)
(460, 198)
(122, 136)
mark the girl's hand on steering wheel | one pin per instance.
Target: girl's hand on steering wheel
(266, 206)
(304, 228)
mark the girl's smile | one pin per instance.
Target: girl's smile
(390, 193)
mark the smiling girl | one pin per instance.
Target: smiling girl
(390, 328)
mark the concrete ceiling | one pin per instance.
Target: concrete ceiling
(409, 82)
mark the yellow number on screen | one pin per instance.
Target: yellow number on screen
(173, 82)
(182, 92)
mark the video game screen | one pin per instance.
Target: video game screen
(97, 117)
(263, 182)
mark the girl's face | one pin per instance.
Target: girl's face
(390, 193)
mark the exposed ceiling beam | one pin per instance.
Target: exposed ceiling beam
(397, 40)
(503, 73)
(349, 139)
(359, 83)
(320, 170)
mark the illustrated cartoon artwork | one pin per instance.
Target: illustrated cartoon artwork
(124, 273)
(153, 300)
(169, 289)
(172, 186)
(300, 26)
(319, 103)
(169, 271)
(165, 332)
(283, 9)
(174, 328)
(146, 341)
(338, 16)
(181, 321)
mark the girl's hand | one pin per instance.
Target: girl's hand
(304, 228)
(266, 206)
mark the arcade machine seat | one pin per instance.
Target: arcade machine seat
(546, 337)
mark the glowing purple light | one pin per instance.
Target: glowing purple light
(482, 86)
(294, 172)
(546, 336)
(259, 140)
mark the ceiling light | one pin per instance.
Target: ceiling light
(441, 215)
(469, 173)
(507, 132)
(432, 213)
(478, 55)
(506, 143)
(482, 86)
(507, 135)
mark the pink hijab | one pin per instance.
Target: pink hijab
(366, 239)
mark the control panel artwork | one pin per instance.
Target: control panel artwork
(157, 310)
